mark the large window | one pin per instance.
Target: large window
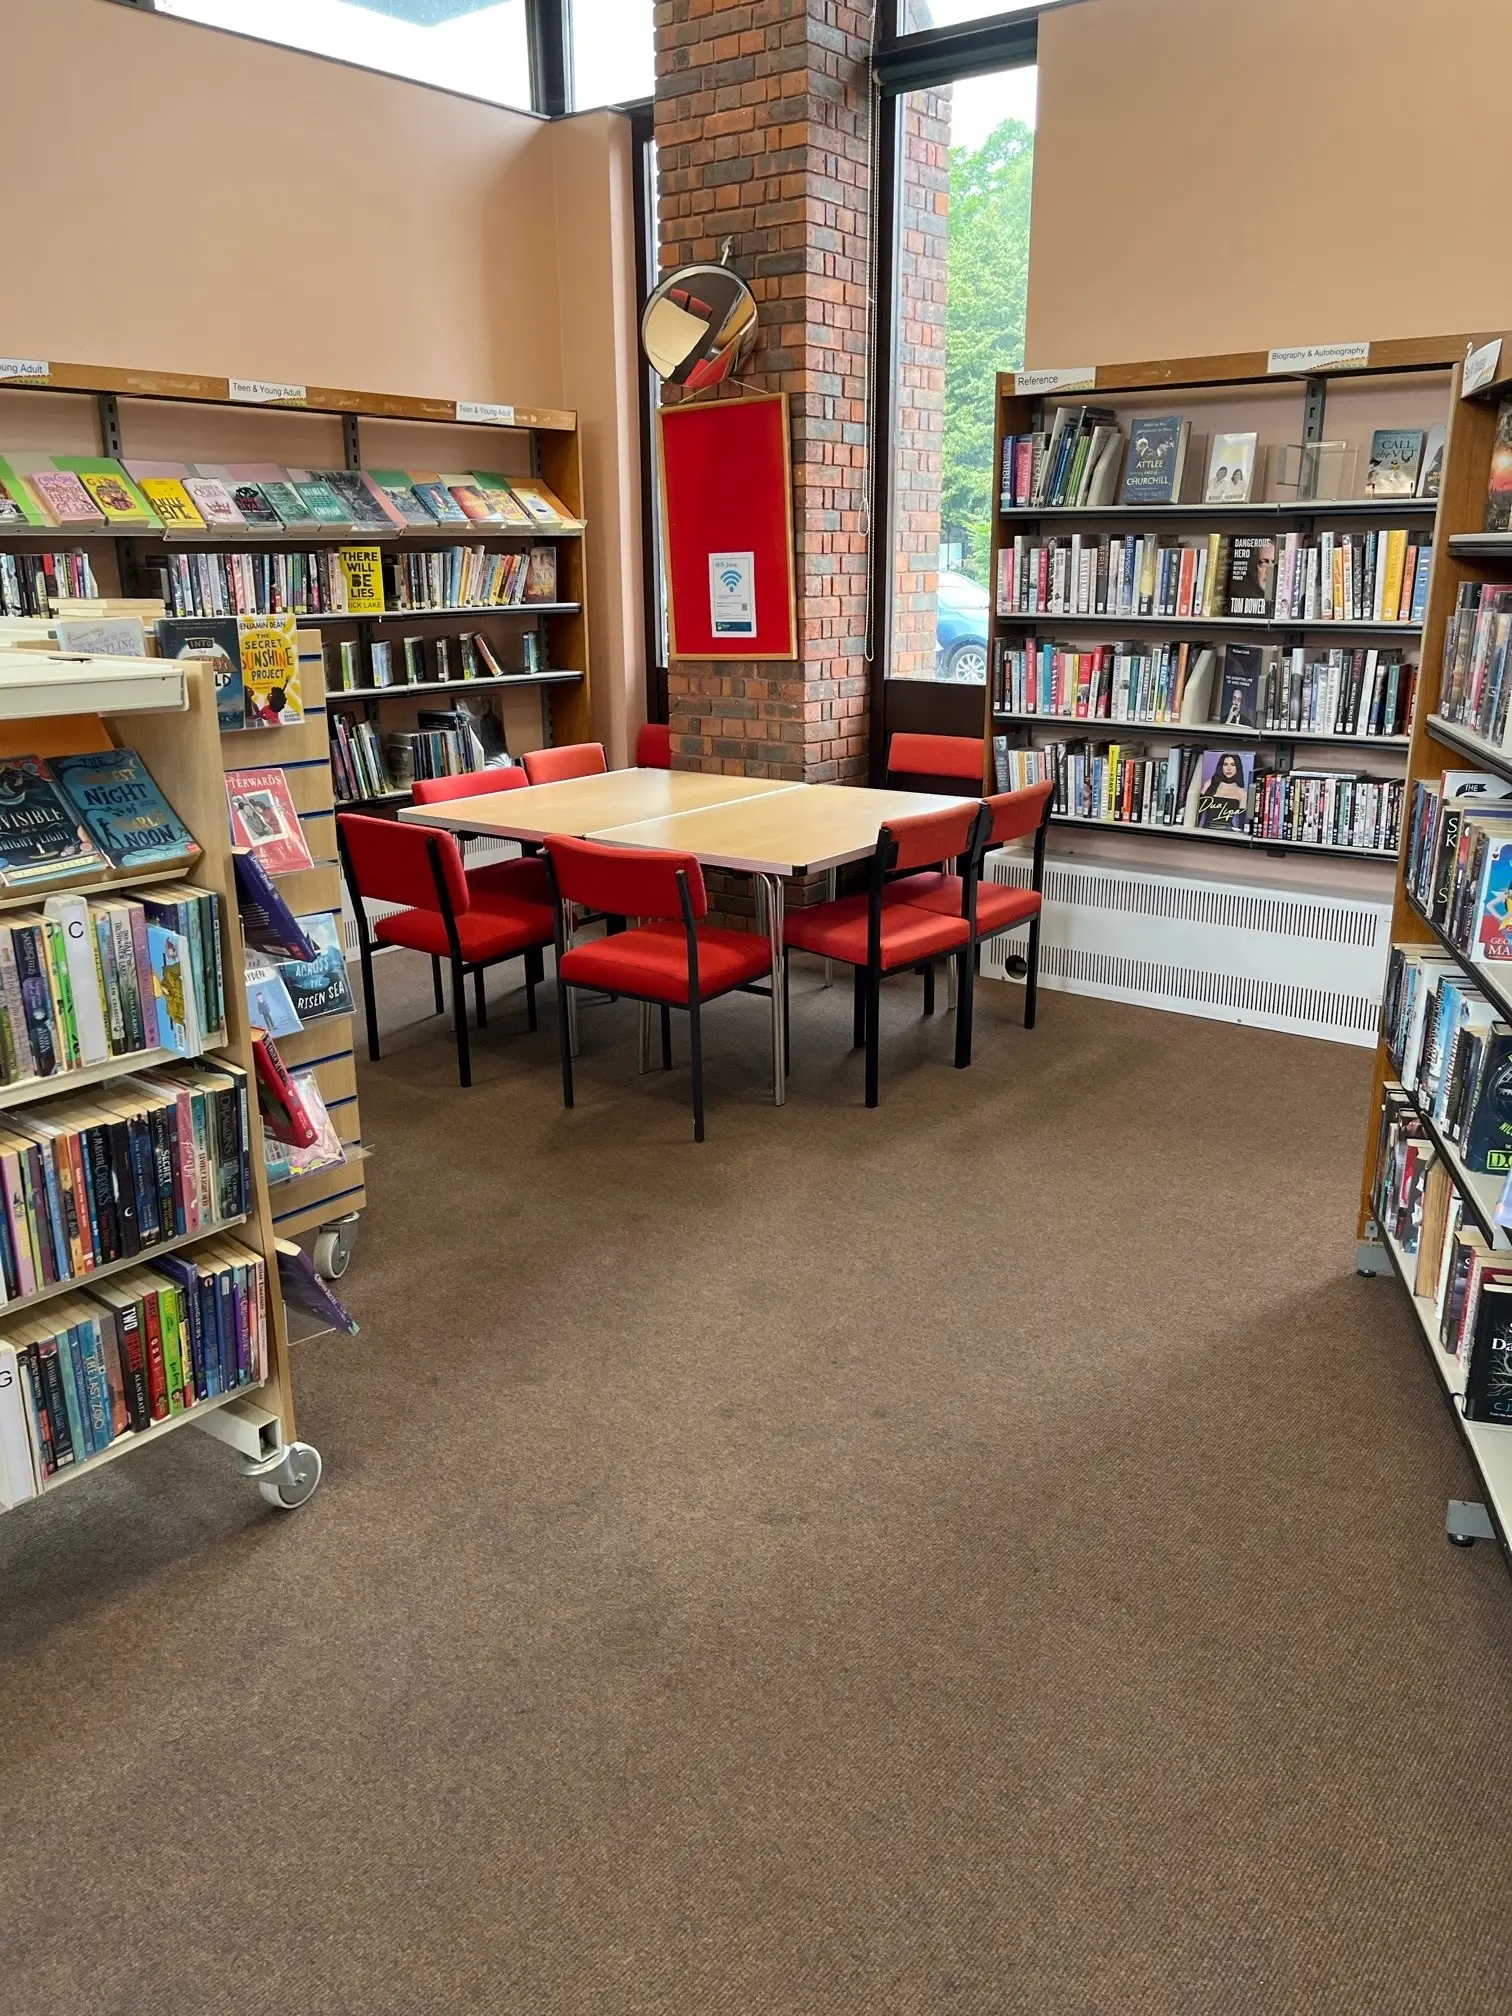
(479, 47)
(962, 269)
(613, 51)
(914, 15)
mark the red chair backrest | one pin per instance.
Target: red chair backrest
(475, 784)
(927, 837)
(1016, 814)
(391, 863)
(955, 756)
(653, 747)
(625, 881)
(552, 766)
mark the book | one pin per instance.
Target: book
(40, 838)
(174, 992)
(1223, 795)
(286, 1162)
(219, 639)
(1488, 1373)
(1231, 468)
(321, 501)
(362, 579)
(1156, 460)
(75, 925)
(543, 506)
(123, 811)
(1251, 575)
(1498, 516)
(284, 498)
(318, 985)
(18, 1469)
(496, 490)
(403, 497)
(541, 574)
(267, 921)
(304, 1289)
(1239, 695)
(102, 636)
(19, 504)
(176, 510)
(471, 501)
(263, 819)
(366, 504)
(1396, 456)
(255, 506)
(270, 670)
(213, 502)
(117, 498)
(64, 497)
(439, 501)
(1431, 475)
(279, 1101)
(269, 1007)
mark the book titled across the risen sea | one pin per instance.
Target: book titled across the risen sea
(40, 839)
(123, 811)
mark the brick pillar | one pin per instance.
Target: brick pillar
(762, 128)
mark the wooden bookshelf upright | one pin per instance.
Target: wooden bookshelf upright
(175, 734)
(1243, 380)
(1463, 553)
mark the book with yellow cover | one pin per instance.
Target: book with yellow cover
(270, 670)
(543, 506)
(362, 574)
(496, 489)
(117, 497)
(172, 503)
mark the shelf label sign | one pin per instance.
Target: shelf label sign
(24, 371)
(266, 392)
(1067, 378)
(732, 594)
(484, 415)
(1319, 357)
(1480, 367)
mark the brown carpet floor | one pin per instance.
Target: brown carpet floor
(984, 1555)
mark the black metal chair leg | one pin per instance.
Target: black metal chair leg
(436, 984)
(873, 1032)
(369, 1005)
(564, 1034)
(964, 1000)
(928, 971)
(1031, 984)
(479, 997)
(459, 1020)
(695, 1037)
(858, 1017)
(531, 1019)
(666, 1033)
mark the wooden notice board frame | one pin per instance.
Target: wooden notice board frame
(725, 473)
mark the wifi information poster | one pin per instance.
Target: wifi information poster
(727, 527)
(732, 594)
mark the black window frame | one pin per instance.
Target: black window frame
(902, 63)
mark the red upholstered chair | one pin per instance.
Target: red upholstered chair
(877, 937)
(653, 747)
(422, 870)
(1013, 815)
(952, 764)
(671, 958)
(553, 766)
(521, 881)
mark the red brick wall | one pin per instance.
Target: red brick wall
(763, 134)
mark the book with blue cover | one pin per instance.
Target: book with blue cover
(269, 1007)
(41, 839)
(267, 921)
(1157, 460)
(123, 811)
(173, 987)
(318, 986)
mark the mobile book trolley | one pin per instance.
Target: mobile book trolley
(165, 710)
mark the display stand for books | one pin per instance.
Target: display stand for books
(1464, 553)
(180, 746)
(1287, 401)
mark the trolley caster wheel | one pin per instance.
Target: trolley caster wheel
(333, 1248)
(288, 1479)
(1459, 1539)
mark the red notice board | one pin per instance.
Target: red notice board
(727, 519)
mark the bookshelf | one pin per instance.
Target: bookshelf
(179, 743)
(1464, 554)
(1404, 384)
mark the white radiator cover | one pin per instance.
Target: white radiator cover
(1277, 959)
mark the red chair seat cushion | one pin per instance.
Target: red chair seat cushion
(652, 960)
(838, 931)
(508, 884)
(999, 906)
(484, 935)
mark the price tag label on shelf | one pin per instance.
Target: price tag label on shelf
(1319, 357)
(485, 416)
(266, 392)
(1481, 367)
(24, 371)
(1067, 378)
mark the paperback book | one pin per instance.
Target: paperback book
(123, 811)
(263, 819)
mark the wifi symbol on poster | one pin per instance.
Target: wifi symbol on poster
(731, 578)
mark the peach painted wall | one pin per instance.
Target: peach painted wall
(1215, 176)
